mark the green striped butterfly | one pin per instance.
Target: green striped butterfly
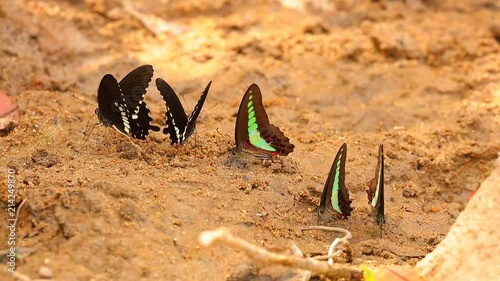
(335, 203)
(253, 132)
(376, 189)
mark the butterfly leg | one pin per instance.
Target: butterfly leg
(88, 131)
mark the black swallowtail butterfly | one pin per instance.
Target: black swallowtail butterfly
(121, 105)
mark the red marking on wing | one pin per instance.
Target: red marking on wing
(469, 197)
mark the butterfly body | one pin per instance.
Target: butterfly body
(179, 126)
(335, 203)
(121, 105)
(253, 132)
(376, 189)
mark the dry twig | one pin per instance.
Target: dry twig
(24, 277)
(223, 236)
(152, 23)
(347, 233)
(342, 241)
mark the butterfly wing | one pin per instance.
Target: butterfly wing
(135, 84)
(240, 131)
(253, 132)
(176, 116)
(134, 87)
(376, 189)
(112, 109)
(140, 123)
(191, 123)
(335, 202)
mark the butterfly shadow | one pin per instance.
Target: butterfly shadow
(390, 225)
(384, 237)
(242, 160)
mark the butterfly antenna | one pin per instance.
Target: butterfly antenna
(221, 134)
(213, 106)
(134, 144)
(139, 149)
(83, 100)
(129, 138)
(184, 100)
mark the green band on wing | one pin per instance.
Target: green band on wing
(336, 187)
(377, 189)
(253, 127)
(253, 134)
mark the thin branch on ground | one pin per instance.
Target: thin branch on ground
(342, 240)
(152, 23)
(224, 237)
(19, 208)
(347, 233)
(24, 277)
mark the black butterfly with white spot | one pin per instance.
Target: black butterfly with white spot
(121, 105)
(179, 126)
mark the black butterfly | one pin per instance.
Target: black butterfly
(335, 203)
(376, 189)
(121, 105)
(253, 132)
(179, 126)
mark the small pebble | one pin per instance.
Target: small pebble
(45, 272)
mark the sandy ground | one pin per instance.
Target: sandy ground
(422, 78)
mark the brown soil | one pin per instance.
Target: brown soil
(422, 78)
